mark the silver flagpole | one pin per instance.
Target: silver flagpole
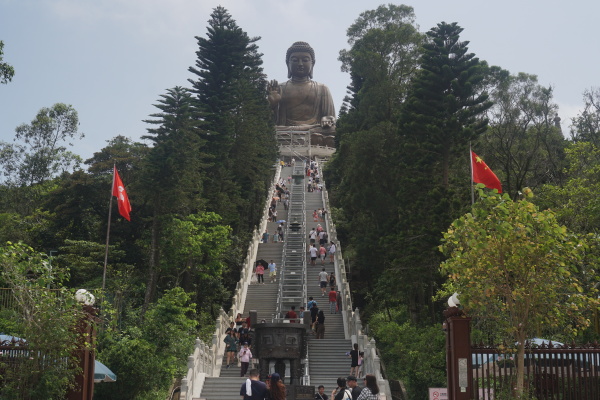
(472, 189)
(108, 229)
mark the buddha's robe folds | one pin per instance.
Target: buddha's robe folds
(303, 103)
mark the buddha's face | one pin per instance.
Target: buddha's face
(300, 64)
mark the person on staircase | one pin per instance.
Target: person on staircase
(312, 236)
(321, 325)
(332, 301)
(244, 334)
(322, 254)
(332, 249)
(239, 320)
(314, 312)
(352, 383)
(323, 278)
(322, 241)
(353, 354)
(276, 389)
(371, 390)
(260, 273)
(253, 388)
(313, 254)
(320, 395)
(291, 315)
(230, 347)
(332, 280)
(341, 392)
(245, 356)
(272, 271)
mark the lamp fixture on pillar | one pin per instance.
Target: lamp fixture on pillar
(85, 297)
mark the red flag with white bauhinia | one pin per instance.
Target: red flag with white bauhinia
(483, 174)
(119, 192)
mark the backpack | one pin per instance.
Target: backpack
(347, 394)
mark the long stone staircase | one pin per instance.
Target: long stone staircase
(296, 281)
(326, 357)
(262, 299)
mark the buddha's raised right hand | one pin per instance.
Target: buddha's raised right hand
(274, 92)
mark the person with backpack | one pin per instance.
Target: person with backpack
(352, 383)
(341, 392)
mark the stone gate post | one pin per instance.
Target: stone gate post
(458, 354)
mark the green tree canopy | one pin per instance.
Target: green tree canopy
(385, 49)
(445, 107)
(42, 153)
(522, 142)
(517, 267)
(586, 125)
(38, 309)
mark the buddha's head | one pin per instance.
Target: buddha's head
(300, 59)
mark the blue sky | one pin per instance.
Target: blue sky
(112, 59)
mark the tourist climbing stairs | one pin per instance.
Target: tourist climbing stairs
(296, 280)
(262, 299)
(327, 357)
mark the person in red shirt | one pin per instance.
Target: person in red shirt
(332, 301)
(291, 315)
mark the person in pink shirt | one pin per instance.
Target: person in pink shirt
(260, 272)
(322, 254)
(245, 355)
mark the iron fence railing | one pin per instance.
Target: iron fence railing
(552, 371)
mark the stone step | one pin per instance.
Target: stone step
(222, 388)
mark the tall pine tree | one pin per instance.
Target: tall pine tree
(173, 176)
(230, 89)
(444, 109)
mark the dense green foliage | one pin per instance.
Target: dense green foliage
(400, 174)
(586, 126)
(416, 102)
(38, 309)
(197, 192)
(519, 268)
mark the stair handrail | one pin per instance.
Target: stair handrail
(279, 310)
(353, 328)
(206, 360)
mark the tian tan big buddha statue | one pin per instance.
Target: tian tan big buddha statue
(301, 103)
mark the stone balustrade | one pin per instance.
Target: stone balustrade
(206, 359)
(353, 328)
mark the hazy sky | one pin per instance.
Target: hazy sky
(111, 59)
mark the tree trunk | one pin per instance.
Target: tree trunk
(520, 366)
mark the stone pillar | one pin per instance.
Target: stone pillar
(86, 354)
(253, 318)
(458, 355)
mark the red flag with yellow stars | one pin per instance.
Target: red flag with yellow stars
(483, 174)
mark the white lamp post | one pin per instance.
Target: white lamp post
(453, 300)
(85, 297)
